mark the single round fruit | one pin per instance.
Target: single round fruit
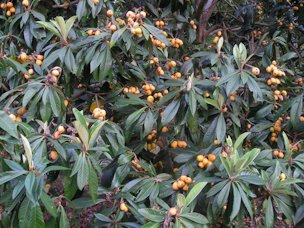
(186, 188)
(281, 155)
(255, 71)
(175, 186)
(12, 9)
(188, 180)
(31, 71)
(172, 211)
(55, 73)
(9, 4)
(40, 57)
(174, 144)
(282, 176)
(211, 157)
(113, 28)
(53, 155)
(66, 103)
(110, 13)
(38, 62)
(25, 3)
(200, 158)
(13, 117)
(18, 119)
(57, 135)
(180, 184)
(61, 129)
(164, 129)
(124, 207)
(150, 99)
(21, 111)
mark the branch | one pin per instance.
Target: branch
(66, 4)
(203, 14)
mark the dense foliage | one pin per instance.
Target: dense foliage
(151, 113)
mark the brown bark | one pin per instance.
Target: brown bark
(204, 9)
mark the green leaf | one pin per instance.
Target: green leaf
(181, 200)
(83, 172)
(157, 33)
(116, 35)
(195, 217)
(170, 112)
(236, 202)
(94, 132)
(36, 218)
(134, 117)
(192, 102)
(196, 189)
(223, 195)
(296, 109)
(49, 204)
(49, 27)
(24, 212)
(239, 141)
(28, 151)
(55, 101)
(8, 125)
(221, 128)
(93, 183)
(10, 175)
(64, 221)
(152, 214)
(103, 218)
(82, 129)
(268, 208)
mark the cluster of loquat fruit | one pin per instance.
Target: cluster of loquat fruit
(135, 22)
(148, 88)
(275, 73)
(92, 32)
(54, 74)
(9, 7)
(131, 89)
(99, 113)
(278, 154)
(193, 25)
(135, 164)
(157, 43)
(60, 130)
(19, 113)
(176, 42)
(279, 95)
(182, 183)
(299, 81)
(233, 96)
(260, 8)
(178, 144)
(216, 38)
(276, 129)
(205, 161)
(176, 75)
(256, 34)
(159, 69)
(160, 23)
(151, 140)
(23, 57)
